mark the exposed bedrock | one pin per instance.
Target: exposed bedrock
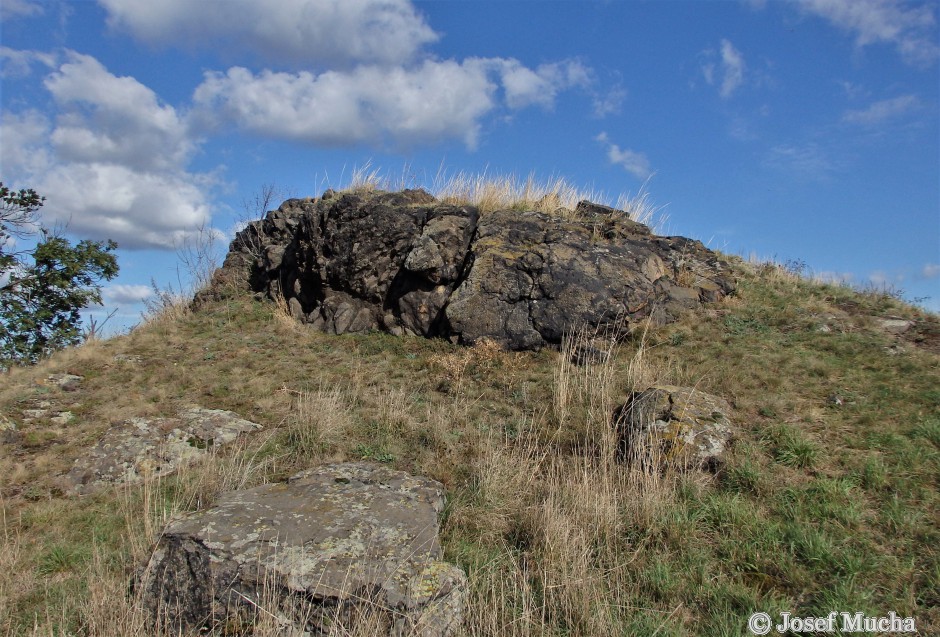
(407, 263)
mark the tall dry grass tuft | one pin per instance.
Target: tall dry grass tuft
(554, 195)
(282, 317)
(318, 421)
(562, 520)
(490, 193)
(167, 305)
(241, 466)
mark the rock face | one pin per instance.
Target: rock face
(153, 447)
(409, 264)
(334, 545)
(680, 426)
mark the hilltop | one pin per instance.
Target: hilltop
(826, 500)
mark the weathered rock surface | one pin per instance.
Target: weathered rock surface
(333, 545)
(409, 264)
(677, 425)
(153, 447)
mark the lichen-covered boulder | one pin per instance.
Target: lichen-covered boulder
(153, 447)
(331, 546)
(674, 426)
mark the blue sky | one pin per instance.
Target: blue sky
(804, 130)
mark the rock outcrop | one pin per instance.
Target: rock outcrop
(407, 263)
(153, 447)
(336, 545)
(679, 426)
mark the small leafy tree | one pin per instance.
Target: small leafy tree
(43, 289)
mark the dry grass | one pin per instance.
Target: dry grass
(556, 521)
(555, 195)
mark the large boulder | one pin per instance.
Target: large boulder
(153, 447)
(336, 545)
(673, 426)
(407, 263)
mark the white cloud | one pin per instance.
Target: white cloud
(853, 90)
(610, 102)
(136, 209)
(834, 278)
(436, 100)
(320, 33)
(121, 293)
(882, 110)
(113, 164)
(524, 86)
(930, 271)
(114, 119)
(24, 152)
(807, 160)
(432, 101)
(632, 161)
(728, 72)
(883, 280)
(910, 27)
(733, 66)
(18, 63)
(10, 9)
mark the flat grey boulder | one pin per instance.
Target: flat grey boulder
(673, 426)
(153, 447)
(333, 546)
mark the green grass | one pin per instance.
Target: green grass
(819, 506)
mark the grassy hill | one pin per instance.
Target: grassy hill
(829, 500)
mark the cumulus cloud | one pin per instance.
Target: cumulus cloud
(882, 111)
(24, 152)
(112, 163)
(318, 33)
(124, 294)
(435, 100)
(524, 86)
(909, 27)
(136, 209)
(727, 72)
(432, 101)
(114, 119)
(632, 161)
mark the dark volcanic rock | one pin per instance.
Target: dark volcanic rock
(409, 264)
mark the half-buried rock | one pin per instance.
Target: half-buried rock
(330, 549)
(673, 426)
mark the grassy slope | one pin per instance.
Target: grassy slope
(822, 506)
